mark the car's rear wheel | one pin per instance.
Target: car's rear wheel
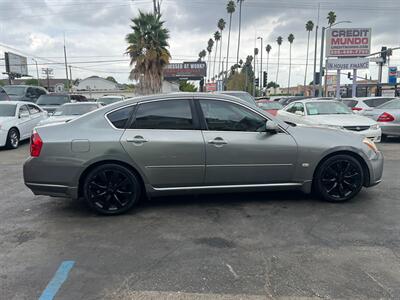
(12, 139)
(339, 178)
(111, 189)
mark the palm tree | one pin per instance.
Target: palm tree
(240, 2)
(210, 45)
(279, 40)
(290, 39)
(147, 49)
(255, 70)
(221, 27)
(268, 49)
(331, 18)
(309, 28)
(202, 54)
(217, 37)
(230, 8)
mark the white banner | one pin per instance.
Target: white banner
(348, 42)
(347, 63)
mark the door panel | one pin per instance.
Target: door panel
(24, 124)
(239, 151)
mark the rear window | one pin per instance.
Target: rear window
(377, 101)
(394, 104)
(120, 117)
(350, 103)
(52, 100)
(7, 110)
(3, 95)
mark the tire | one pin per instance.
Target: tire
(339, 178)
(111, 189)
(384, 138)
(12, 139)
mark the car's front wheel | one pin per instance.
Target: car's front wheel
(12, 139)
(111, 189)
(339, 178)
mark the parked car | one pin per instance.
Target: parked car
(269, 106)
(245, 96)
(17, 120)
(287, 100)
(107, 100)
(51, 102)
(70, 111)
(366, 103)
(3, 95)
(193, 143)
(78, 98)
(24, 92)
(332, 114)
(388, 117)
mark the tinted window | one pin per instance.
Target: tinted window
(13, 90)
(31, 92)
(7, 110)
(224, 116)
(3, 94)
(394, 104)
(243, 96)
(350, 103)
(52, 100)
(380, 101)
(41, 92)
(33, 109)
(120, 117)
(170, 114)
(295, 107)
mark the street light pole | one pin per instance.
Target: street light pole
(37, 71)
(261, 63)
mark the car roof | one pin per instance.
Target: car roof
(314, 100)
(111, 96)
(80, 103)
(16, 102)
(24, 85)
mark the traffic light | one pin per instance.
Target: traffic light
(349, 75)
(316, 78)
(257, 81)
(384, 54)
(265, 79)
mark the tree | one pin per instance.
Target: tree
(230, 8)
(110, 78)
(202, 54)
(210, 45)
(279, 40)
(31, 81)
(247, 70)
(240, 2)
(290, 39)
(221, 26)
(148, 52)
(217, 38)
(272, 84)
(309, 28)
(268, 49)
(185, 86)
(331, 18)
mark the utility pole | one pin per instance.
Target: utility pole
(66, 67)
(48, 72)
(320, 63)
(37, 72)
(70, 76)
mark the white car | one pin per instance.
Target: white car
(70, 111)
(17, 120)
(333, 114)
(358, 105)
(106, 100)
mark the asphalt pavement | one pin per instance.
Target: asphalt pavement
(229, 246)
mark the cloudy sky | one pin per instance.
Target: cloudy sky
(95, 31)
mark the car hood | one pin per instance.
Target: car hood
(340, 120)
(57, 119)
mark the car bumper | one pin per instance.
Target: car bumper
(375, 166)
(3, 138)
(390, 129)
(373, 135)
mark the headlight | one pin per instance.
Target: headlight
(370, 145)
(375, 127)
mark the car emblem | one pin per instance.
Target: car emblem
(358, 128)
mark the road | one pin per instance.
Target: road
(229, 246)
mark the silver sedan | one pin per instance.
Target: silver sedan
(193, 143)
(388, 117)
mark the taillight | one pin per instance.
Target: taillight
(385, 117)
(36, 144)
(356, 108)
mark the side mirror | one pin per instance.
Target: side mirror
(23, 115)
(271, 127)
(299, 113)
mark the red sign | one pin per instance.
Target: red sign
(350, 42)
(211, 87)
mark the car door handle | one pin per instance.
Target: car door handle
(217, 142)
(137, 140)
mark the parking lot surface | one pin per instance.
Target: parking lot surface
(226, 246)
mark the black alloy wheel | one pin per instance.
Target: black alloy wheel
(111, 189)
(12, 139)
(339, 178)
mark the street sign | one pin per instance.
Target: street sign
(185, 71)
(392, 78)
(348, 42)
(376, 59)
(347, 63)
(211, 87)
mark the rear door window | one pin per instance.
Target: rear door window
(120, 117)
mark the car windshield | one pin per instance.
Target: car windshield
(269, 105)
(74, 109)
(327, 108)
(52, 100)
(7, 110)
(14, 90)
(109, 100)
(243, 96)
(394, 104)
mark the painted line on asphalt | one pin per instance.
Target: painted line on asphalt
(58, 279)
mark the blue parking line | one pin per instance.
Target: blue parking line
(58, 279)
